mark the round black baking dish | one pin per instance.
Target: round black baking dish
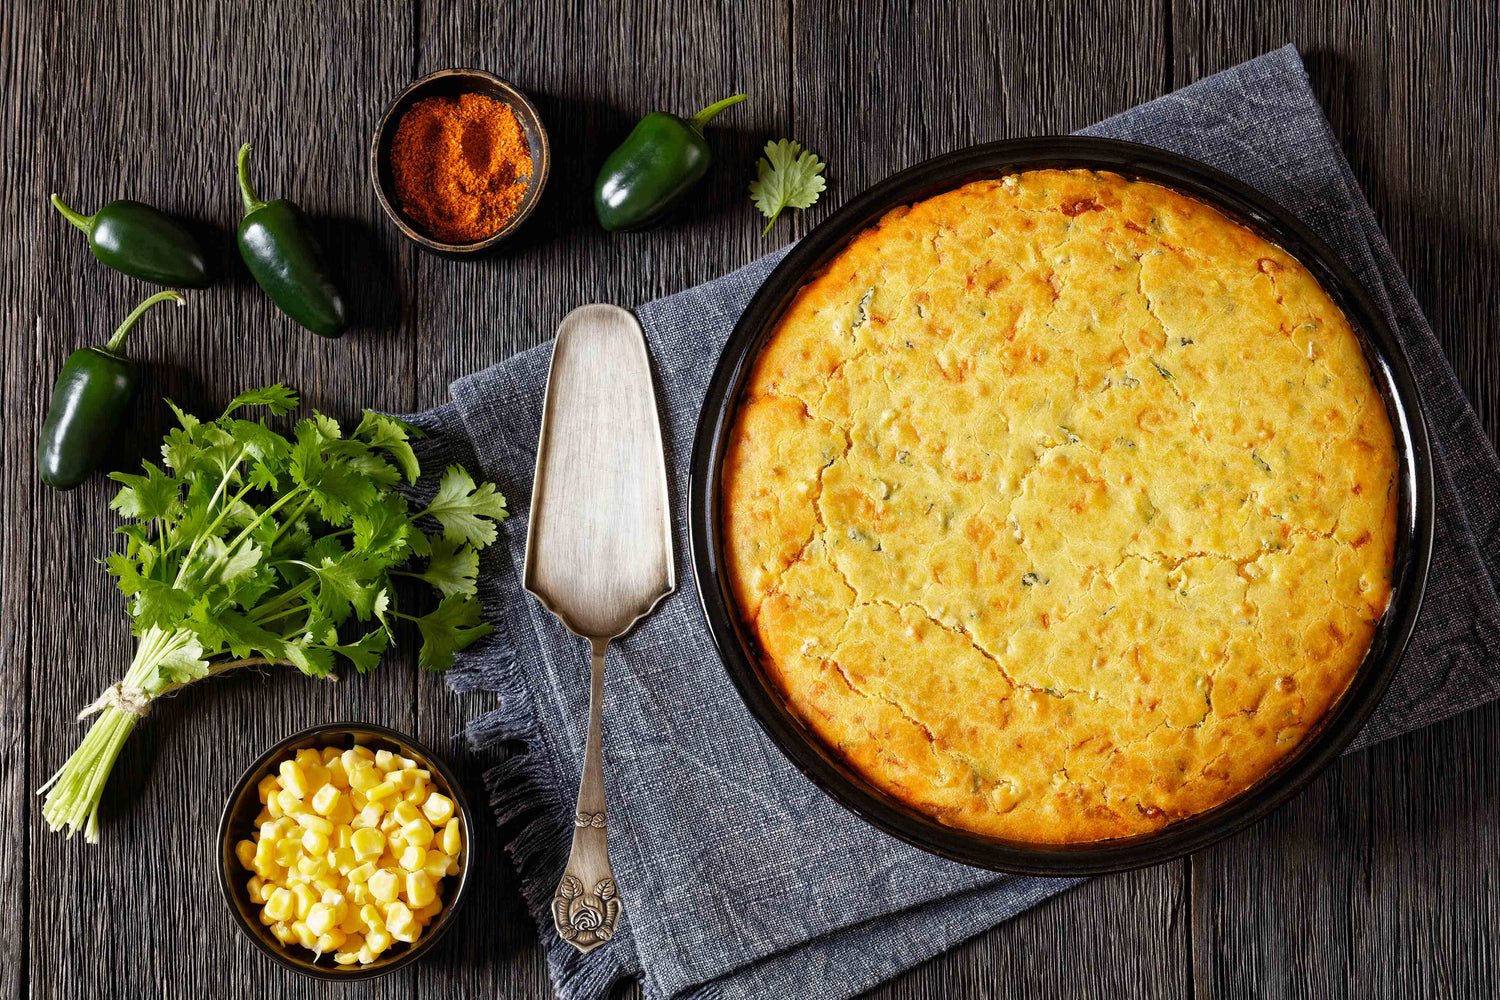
(1388, 367)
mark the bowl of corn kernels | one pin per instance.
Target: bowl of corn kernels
(345, 851)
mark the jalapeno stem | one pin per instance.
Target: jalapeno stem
(707, 115)
(118, 337)
(84, 222)
(247, 190)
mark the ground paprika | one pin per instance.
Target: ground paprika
(460, 166)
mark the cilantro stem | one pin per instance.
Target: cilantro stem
(259, 519)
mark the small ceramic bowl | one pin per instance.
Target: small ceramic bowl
(454, 83)
(238, 823)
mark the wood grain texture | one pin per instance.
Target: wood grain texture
(20, 60)
(1380, 881)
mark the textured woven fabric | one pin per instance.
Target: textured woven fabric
(740, 879)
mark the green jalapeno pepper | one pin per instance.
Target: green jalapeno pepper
(142, 242)
(93, 389)
(657, 164)
(285, 260)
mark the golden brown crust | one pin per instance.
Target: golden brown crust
(1061, 505)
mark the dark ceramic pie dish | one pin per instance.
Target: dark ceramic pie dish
(1388, 367)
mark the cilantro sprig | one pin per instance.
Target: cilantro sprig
(249, 547)
(786, 177)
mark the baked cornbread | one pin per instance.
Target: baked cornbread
(1061, 505)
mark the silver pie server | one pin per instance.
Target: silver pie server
(598, 553)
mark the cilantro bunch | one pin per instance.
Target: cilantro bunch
(252, 548)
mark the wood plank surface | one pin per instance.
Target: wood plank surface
(1381, 880)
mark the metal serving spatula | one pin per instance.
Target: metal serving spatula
(598, 552)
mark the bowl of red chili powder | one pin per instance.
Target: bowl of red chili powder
(459, 161)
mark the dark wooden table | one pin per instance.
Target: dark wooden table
(1381, 880)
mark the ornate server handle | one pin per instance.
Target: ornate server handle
(586, 906)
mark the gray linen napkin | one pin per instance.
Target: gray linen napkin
(740, 879)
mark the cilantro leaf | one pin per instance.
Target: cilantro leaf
(451, 568)
(365, 653)
(461, 508)
(153, 495)
(392, 436)
(278, 398)
(786, 177)
(453, 626)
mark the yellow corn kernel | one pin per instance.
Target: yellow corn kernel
(325, 884)
(305, 898)
(419, 890)
(281, 905)
(365, 776)
(426, 913)
(270, 870)
(452, 838)
(325, 798)
(343, 835)
(338, 777)
(353, 922)
(418, 832)
(359, 803)
(283, 932)
(400, 923)
(350, 759)
(331, 941)
(378, 940)
(303, 865)
(293, 778)
(399, 779)
(413, 858)
(405, 812)
(417, 791)
(329, 753)
(358, 893)
(348, 953)
(383, 885)
(342, 812)
(320, 918)
(317, 777)
(436, 865)
(438, 808)
(395, 842)
(245, 851)
(314, 842)
(289, 851)
(291, 805)
(406, 763)
(385, 760)
(312, 821)
(341, 859)
(305, 937)
(371, 917)
(267, 785)
(273, 804)
(389, 823)
(254, 888)
(264, 816)
(306, 757)
(360, 874)
(367, 843)
(384, 790)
